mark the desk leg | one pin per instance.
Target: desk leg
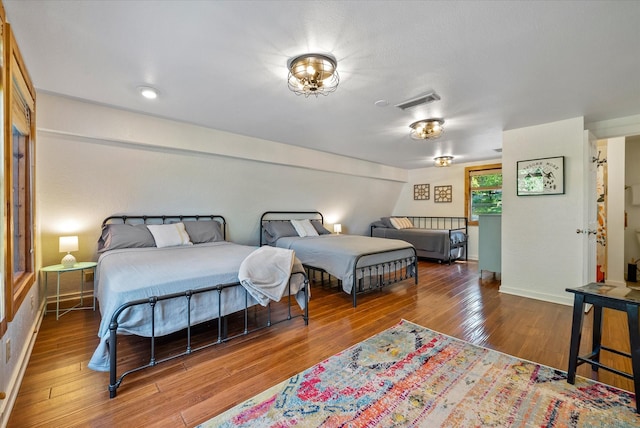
(576, 333)
(634, 339)
(597, 335)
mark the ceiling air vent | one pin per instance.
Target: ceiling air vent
(421, 99)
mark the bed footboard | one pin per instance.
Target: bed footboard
(151, 302)
(375, 277)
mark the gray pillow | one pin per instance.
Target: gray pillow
(204, 231)
(279, 229)
(116, 236)
(317, 224)
(386, 222)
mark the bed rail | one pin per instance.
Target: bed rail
(151, 302)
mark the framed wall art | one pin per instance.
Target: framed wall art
(421, 192)
(541, 176)
(442, 193)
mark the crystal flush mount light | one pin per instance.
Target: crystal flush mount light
(443, 160)
(313, 74)
(427, 129)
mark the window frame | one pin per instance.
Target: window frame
(467, 187)
(19, 108)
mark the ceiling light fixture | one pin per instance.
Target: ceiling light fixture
(148, 92)
(443, 160)
(313, 74)
(427, 129)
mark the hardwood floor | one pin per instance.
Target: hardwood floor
(59, 390)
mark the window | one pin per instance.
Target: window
(483, 191)
(19, 158)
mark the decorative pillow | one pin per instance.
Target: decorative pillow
(317, 224)
(116, 236)
(279, 229)
(204, 231)
(387, 222)
(304, 228)
(169, 235)
(401, 222)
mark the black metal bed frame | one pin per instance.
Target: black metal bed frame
(151, 302)
(451, 224)
(372, 277)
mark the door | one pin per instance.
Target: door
(592, 163)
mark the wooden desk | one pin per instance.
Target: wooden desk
(604, 296)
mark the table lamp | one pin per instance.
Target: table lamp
(337, 228)
(68, 244)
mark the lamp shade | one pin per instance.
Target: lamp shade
(337, 228)
(68, 244)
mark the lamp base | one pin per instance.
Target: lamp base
(68, 261)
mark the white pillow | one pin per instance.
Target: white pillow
(401, 222)
(304, 228)
(169, 235)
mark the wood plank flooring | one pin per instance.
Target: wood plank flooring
(59, 390)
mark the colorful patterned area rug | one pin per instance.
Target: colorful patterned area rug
(409, 375)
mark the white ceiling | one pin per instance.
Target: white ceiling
(222, 64)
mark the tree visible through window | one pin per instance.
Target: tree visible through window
(483, 191)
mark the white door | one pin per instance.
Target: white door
(590, 226)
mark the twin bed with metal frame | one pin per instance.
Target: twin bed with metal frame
(151, 290)
(439, 238)
(361, 263)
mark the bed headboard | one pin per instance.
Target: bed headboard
(163, 219)
(269, 216)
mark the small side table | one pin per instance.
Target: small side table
(59, 270)
(605, 296)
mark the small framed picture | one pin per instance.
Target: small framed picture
(443, 193)
(541, 176)
(421, 192)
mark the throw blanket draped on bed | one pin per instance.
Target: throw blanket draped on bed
(265, 274)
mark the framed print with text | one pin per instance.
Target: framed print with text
(541, 176)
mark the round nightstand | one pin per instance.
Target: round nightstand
(59, 270)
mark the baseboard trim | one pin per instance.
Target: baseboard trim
(13, 387)
(562, 300)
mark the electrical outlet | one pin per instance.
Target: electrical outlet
(33, 302)
(8, 351)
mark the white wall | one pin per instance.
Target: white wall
(541, 252)
(616, 265)
(94, 161)
(452, 175)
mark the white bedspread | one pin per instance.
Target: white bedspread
(132, 274)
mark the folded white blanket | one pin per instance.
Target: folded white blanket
(265, 275)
